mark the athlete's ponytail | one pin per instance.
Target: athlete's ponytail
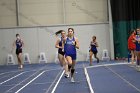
(58, 32)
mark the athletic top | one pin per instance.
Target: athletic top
(131, 44)
(60, 44)
(18, 44)
(137, 43)
(93, 46)
(69, 48)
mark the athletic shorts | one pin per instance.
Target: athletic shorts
(18, 51)
(61, 52)
(94, 52)
(73, 56)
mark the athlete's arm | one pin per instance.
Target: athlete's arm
(76, 43)
(91, 43)
(57, 44)
(63, 42)
(97, 44)
(22, 43)
(134, 39)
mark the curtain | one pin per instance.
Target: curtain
(125, 17)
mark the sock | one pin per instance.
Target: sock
(138, 62)
(72, 72)
(69, 67)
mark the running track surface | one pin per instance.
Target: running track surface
(105, 77)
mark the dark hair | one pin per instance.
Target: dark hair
(59, 32)
(71, 29)
(137, 30)
(17, 35)
(94, 37)
(132, 31)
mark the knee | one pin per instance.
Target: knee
(90, 56)
(70, 63)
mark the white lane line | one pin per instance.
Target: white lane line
(57, 82)
(12, 73)
(3, 73)
(16, 71)
(50, 87)
(29, 82)
(29, 70)
(8, 72)
(11, 78)
(108, 65)
(25, 79)
(124, 79)
(4, 76)
(88, 81)
(20, 83)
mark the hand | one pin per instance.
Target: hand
(63, 49)
(93, 43)
(73, 43)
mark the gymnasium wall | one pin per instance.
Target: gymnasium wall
(42, 39)
(27, 13)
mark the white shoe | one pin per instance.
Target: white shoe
(138, 68)
(20, 67)
(72, 79)
(67, 75)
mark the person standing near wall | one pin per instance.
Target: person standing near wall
(18, 43)
(59, 45)
(70, 45)
(132, 46)
(138, 48)
(93, 50)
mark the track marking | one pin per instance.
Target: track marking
(8, 75)
(53, 82)
(57, 82)
(27, 70)
(27, 79)
(20, 83)
(124, 79)
(29, 82)
(107, 65)
(88, 81)
(8, 72)
(11, 78)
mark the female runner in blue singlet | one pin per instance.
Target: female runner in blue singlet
(138, 48)
(60, 46)
(93, 49)
(70, 45)
(18, 43)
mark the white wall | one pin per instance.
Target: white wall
(7, 13)
(42, 39)
(52, 12)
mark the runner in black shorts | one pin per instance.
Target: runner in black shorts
(19, 44)
(59, 45)
(93, 49)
